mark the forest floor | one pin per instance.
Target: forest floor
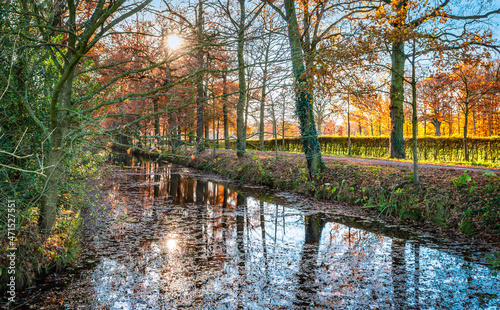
(456, 199)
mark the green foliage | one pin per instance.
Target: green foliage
(267, 178)
(309, 135)
(393, 202)
(462, 180)
(42, 254)
(489, 173)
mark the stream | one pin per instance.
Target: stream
(170, 237)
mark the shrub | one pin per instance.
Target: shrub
(443, 149)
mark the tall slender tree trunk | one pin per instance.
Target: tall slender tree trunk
(414, 119)
(275, 131)
(283, 130)
(263, 101)
(247, 106)
(397, 143)
(450, 123)
(218, 131)
(310, 143)
(215, 141)
(224, 110)
(156, 119)
(466, 123)
(240, 130)
(172, 128)
(171, 118)
(474, 123)
(489, 125)
(200, 145)
(349, 124)
(425, 120)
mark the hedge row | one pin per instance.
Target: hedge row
(443, 149)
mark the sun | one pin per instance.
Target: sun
(173, 41)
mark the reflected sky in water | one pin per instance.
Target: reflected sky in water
(177, 240)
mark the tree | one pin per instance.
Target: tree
(303, 92)
(472, 82)
(434, 92)
(80, 32)
(322, 111)
(241, 25)
(406, 16)
(200, 93)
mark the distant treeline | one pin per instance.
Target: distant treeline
(444, 149)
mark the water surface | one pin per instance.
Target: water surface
(173, 238)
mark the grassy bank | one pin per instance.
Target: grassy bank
(462, 202)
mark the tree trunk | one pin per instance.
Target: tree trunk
(275, 131)
(191, 136)
(414, 119)
(247, 105)
(224, 111)
(283, 131)
(214, 141)
(172, 131)
(489, 125)
(200, 145)
(240, 131)
(310, 143)
(48, 205)
(263, 100)
(156, 119)
(349, 124)
(397, 143)
(450, 129)
(466, 148)
(474, 123)
(425, 121)
(171, 121)
(437, 125)
(218, 131)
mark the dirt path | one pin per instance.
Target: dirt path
(371, 161)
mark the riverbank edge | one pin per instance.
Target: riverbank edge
(465, 204)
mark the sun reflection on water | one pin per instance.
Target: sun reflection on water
(171, 244)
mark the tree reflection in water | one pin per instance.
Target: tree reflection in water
(178, 241)
(306, 276)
